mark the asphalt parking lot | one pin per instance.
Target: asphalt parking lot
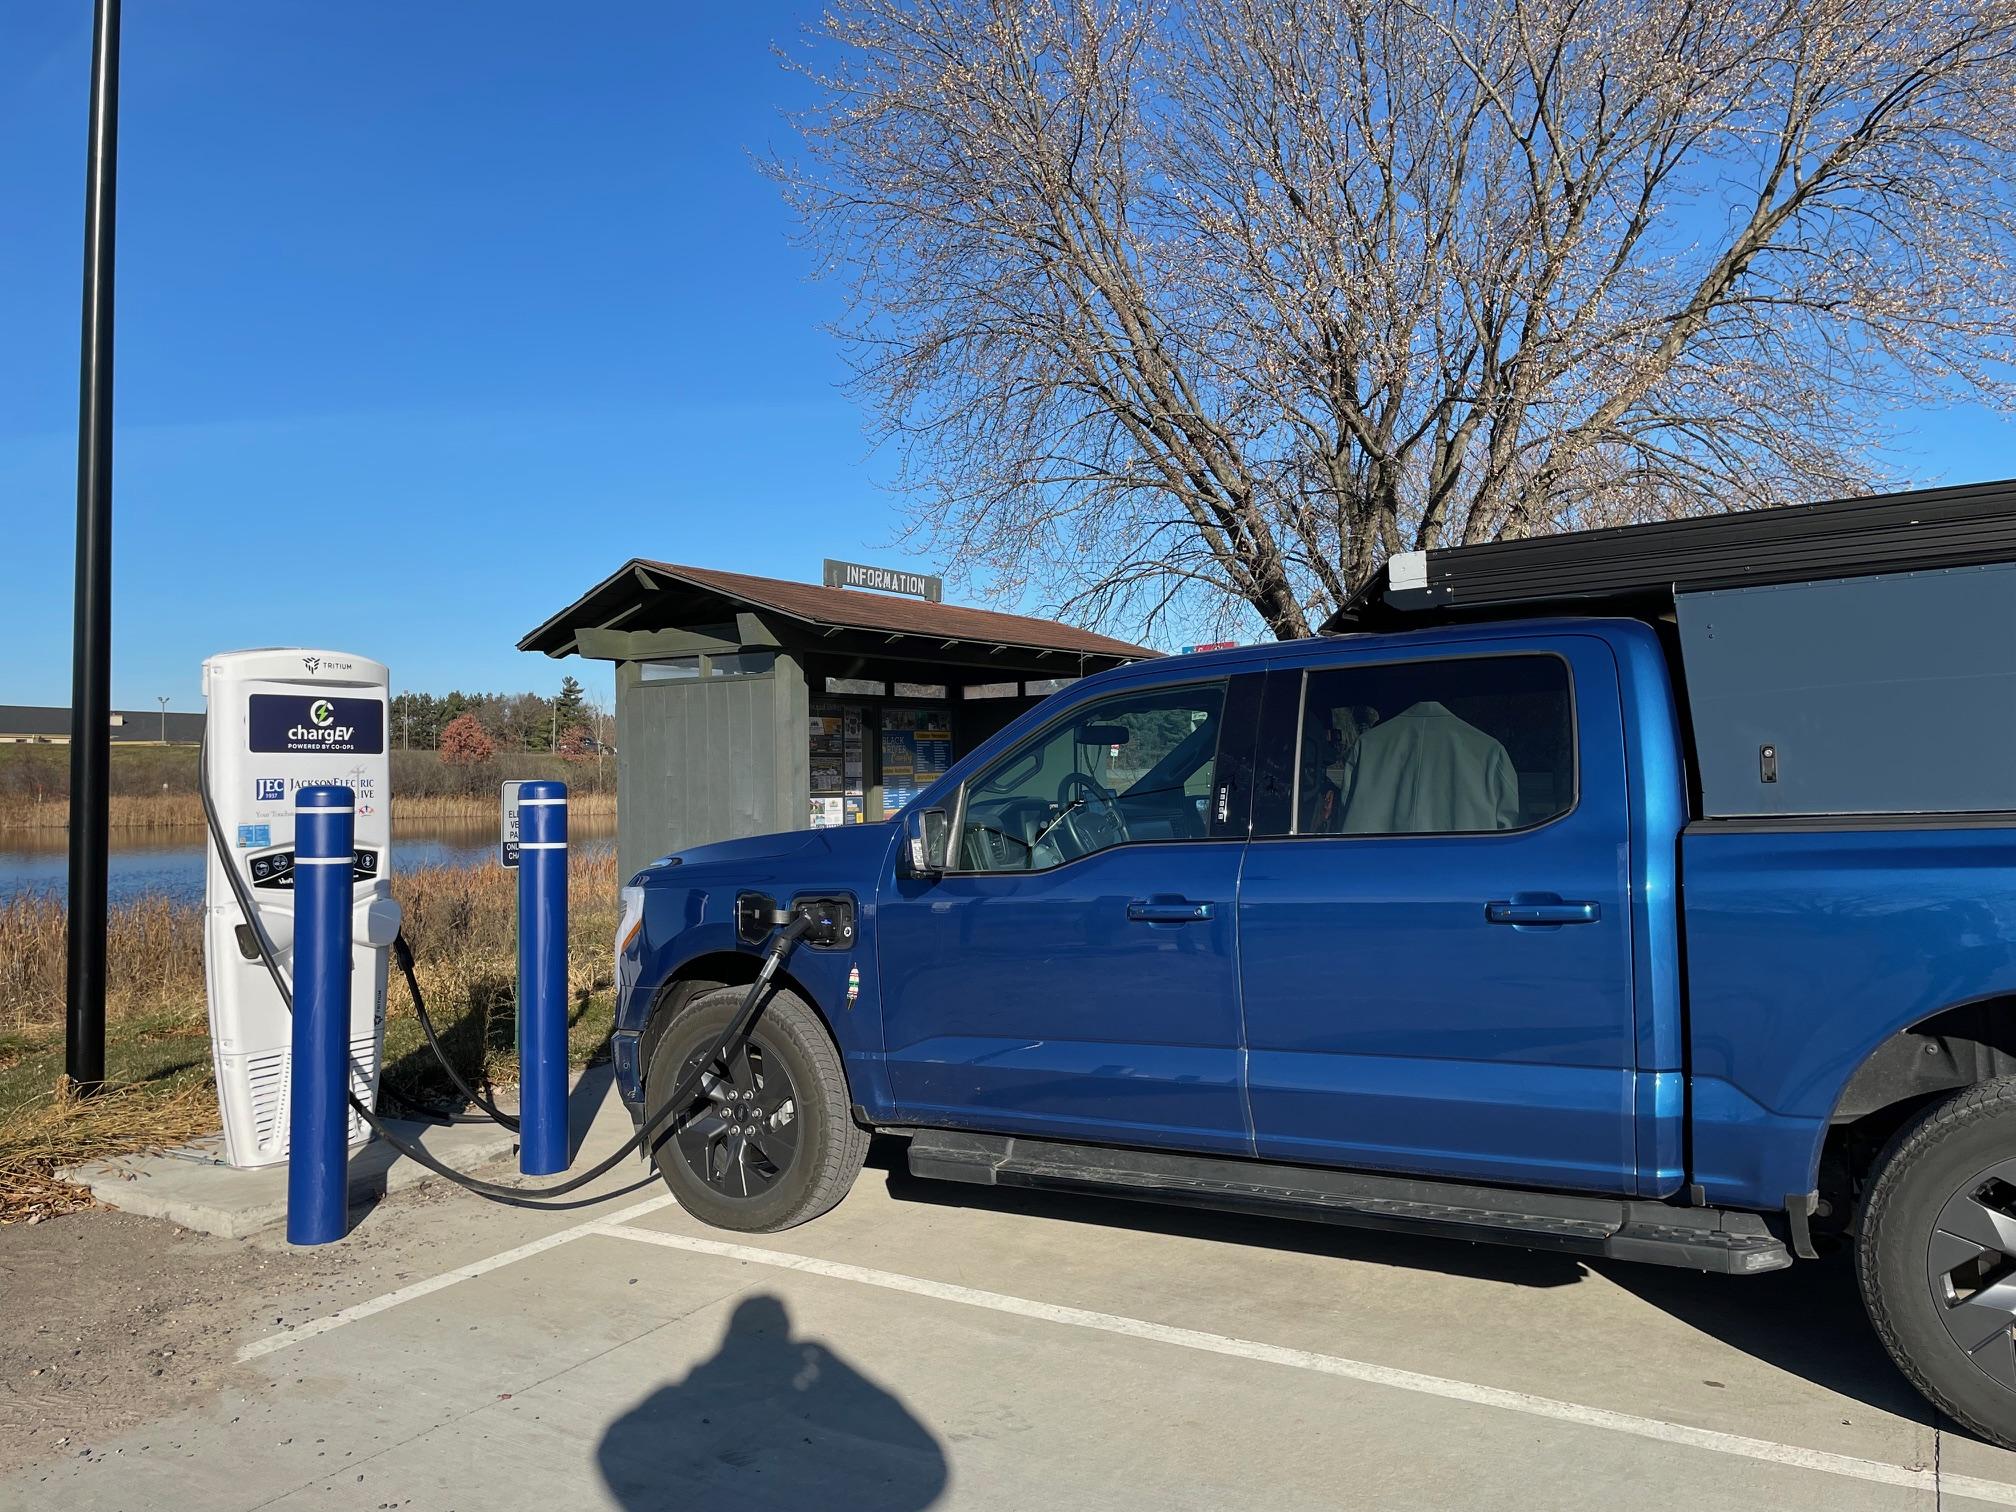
(929, 1345)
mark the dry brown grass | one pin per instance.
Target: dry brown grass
(154, 959)
(148, 812)
(60, 1129)
(427, 806)
(462, 925)
(461, 922)
(170, 811)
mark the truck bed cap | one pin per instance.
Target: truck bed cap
(1637, 569)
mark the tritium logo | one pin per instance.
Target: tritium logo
(312, 663)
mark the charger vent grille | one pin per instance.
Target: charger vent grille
(267, 1076)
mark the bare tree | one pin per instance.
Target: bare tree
(1166, 307)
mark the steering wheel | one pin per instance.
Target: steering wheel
(1077, 794)
(1074, 780)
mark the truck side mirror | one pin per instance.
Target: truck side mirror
(925, 833)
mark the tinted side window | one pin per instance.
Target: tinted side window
(1435, 747)
(1125, 770)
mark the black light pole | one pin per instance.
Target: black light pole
(91, 666)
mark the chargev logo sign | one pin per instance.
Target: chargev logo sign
(322, 726)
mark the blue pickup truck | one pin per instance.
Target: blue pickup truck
(1646, 894)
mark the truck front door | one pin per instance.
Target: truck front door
(1434, 923)
(1075, 974)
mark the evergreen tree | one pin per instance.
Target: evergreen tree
(570, 708)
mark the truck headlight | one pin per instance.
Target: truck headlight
(629, 925)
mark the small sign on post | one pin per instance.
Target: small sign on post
(507, 824)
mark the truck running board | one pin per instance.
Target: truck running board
(1610, 1227)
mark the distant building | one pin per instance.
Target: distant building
(746, 704)
(28, 724)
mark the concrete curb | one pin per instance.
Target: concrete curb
(192, 1186)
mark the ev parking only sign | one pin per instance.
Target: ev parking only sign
(507, 824)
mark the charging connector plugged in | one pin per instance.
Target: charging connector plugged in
(829, 921)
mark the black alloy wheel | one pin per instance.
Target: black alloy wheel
(769, 1138)
(740, 1135)
(1970, 1263)
(1935, 1246)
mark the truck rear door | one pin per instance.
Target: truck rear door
(1434, 917)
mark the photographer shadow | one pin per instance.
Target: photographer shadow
(771, 1422)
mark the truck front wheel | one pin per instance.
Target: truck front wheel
(769, 1140)
(1936, 1252)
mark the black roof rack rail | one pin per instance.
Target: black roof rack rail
(1637, 569)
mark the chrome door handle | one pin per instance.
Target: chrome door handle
(1543, 913)
(1168, 911)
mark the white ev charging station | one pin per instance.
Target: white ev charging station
(281, 720)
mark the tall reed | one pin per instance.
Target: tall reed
(171, 811)
(460, 920)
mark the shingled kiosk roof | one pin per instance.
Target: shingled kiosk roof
(645, 594)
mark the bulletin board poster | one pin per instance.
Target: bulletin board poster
(827, 813)
(899, 760)
(916, 750)
(850, 749)
(828, 742)
(934, 745)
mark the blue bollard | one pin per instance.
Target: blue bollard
(542, 978)
(318, 1115)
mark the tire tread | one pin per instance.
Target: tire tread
(842, 1155)
(845, 1155)
(1913, 1142)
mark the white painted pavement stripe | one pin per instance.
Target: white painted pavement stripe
(468, 1272)
(1878, 1471)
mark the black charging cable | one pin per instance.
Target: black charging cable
(403, 954)
(800, 923)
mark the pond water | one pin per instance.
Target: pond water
(170, 862)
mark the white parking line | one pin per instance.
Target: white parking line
(475, 1268)
(614, 1226)
(1879, 1472)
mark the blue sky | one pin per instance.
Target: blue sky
(490, 294)
(489, 298)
